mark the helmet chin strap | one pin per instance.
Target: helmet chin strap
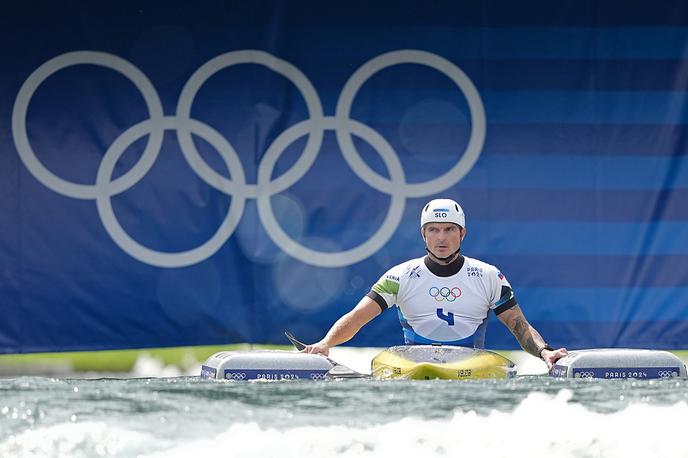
(446, 258)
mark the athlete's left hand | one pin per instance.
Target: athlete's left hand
(552, 356)
(318, 348)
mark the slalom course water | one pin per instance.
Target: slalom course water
(187, 416)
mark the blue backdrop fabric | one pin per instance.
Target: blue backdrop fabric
(186, 175)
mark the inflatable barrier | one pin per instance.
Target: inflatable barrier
(424, 362)
(266, 365)
(619, 363)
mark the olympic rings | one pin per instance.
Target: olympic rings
(584, 374)
(444, 293)
(314, 127)
(235, 375)
(667, 373)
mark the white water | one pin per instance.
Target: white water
(167, 416)
(540, 426)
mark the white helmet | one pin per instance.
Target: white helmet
(442, 211)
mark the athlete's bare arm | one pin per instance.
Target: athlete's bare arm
(530, 340)
(347, 326)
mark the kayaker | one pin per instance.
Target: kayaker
(443, 297)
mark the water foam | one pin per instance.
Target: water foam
(76, 439)
(540, 426)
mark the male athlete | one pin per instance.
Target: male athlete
(443, 297)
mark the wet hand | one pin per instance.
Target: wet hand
(552, 356)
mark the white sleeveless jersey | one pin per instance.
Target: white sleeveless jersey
(443, 309)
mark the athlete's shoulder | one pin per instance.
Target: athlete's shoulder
(477, 268)
(487, 273)
(478, 263)
(406, 269)
(412, 267)
(392, 280)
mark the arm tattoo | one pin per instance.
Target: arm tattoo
(526, 335)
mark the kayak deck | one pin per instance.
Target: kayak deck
(425, 362)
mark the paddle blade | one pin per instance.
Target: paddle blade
(295, 342)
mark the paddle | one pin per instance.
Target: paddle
(294, 341)
(337, 371)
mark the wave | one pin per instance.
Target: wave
(541, 425)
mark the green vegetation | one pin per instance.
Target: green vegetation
(111, 360)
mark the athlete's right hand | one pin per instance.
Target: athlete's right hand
(319, 348)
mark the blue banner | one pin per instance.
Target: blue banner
(174, 176)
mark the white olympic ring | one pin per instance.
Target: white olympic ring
(475, 106)
(185, 126)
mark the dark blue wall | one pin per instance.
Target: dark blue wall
(183, 175)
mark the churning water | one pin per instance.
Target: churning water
(531, 416)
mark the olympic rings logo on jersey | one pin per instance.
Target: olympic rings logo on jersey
(185, 126)
(444, 293)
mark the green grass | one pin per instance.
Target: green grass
(114, 360)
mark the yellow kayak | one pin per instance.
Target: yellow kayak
(425, 362)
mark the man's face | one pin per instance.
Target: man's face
(443, 239)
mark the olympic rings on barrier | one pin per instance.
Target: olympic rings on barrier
(668, 373)
(444, 293)
(235, 376)
(584, 374)
(314, 128)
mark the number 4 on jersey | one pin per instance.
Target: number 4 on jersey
(449, 317)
